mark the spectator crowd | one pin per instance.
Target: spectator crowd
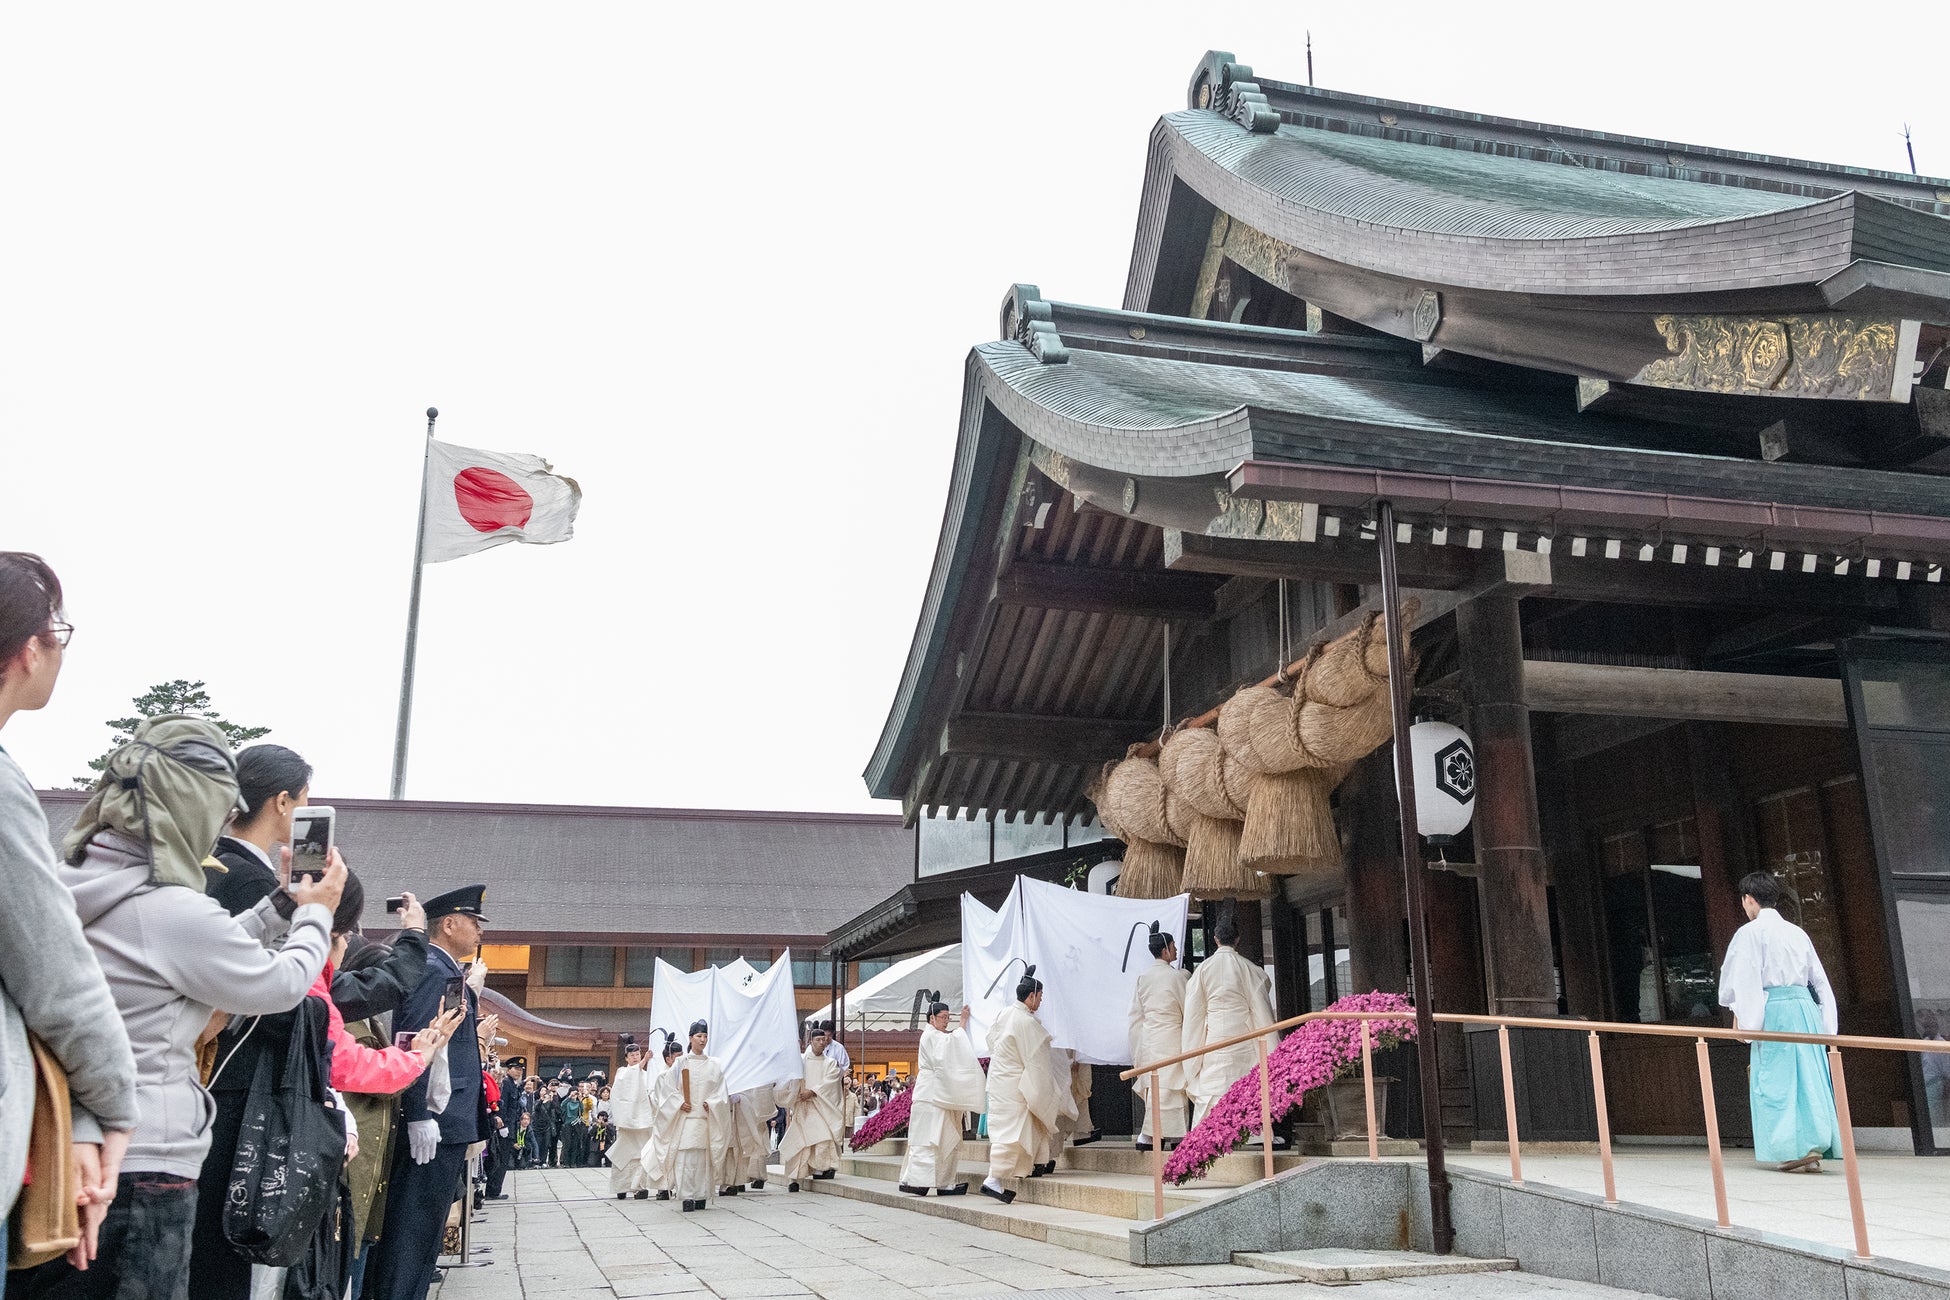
(211, 1084)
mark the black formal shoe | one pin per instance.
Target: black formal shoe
(824, 1174)
(502, 1197)
(687, 1207)
(1087, 1138)
(792, 1186)
(914, 1191)
(643, 1195)
(1005, 1195)
(758, 1184)
(1142, 1145)
(622, 1196)
(959, 1189)
(662, 1196)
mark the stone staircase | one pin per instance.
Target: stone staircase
(1090, 1203)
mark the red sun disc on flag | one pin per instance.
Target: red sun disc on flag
(490, 501)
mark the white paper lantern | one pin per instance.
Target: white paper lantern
(1445, 779)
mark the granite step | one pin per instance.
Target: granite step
(1076, 1229)
(1111, 1196)
(1337, 1267)
(1118, 1156)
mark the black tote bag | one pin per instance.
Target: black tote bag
(290, 1149)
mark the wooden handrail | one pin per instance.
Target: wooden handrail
(1582, 1026)
(1503, 1024)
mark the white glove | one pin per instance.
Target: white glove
(423, 1140)
(477, 975)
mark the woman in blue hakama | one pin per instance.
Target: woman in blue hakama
(1773, 980)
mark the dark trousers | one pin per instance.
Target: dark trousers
(575, 1146)
(216, 1271)
(144, 1248)
(417, 1201)
(500, 1155)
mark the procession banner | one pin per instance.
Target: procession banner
(754, 1021)
(1088, 949)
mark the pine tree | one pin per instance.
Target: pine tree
(179, 696)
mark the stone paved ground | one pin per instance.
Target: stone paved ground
(563, 1238)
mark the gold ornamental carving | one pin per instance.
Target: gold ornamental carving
(1789, 356)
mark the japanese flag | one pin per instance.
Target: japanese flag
(477, 499)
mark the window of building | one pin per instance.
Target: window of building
(1662, 965)
(758, 959)
(812, 972)
(578, 966)
(640, 964)
(869, 969)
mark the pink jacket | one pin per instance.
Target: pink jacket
(356, 1067)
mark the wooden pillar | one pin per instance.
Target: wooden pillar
(1251, 946)
(1726, 848)
(1574, 879)
(1289, 958)
(1509, 843)
(1377, 934)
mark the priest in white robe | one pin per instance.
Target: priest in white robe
(1062, 1068)
(630, 1111)
(817, 1125)
(1773, 980)
(1024, 1101)
(694, 1122)
(1157, 1031)
(658, 1171)
(750, 1145)
(1227, 996)
(948, 1084)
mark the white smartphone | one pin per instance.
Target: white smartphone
(312, 829)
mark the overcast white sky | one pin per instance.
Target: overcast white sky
(720, 263)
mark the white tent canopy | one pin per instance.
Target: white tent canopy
(887, 1000)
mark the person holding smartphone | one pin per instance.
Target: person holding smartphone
(172, 956)
(272, 784)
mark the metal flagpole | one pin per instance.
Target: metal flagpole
(1399, 689)
(405, 724)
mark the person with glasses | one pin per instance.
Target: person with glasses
(50, 984)
(172, 956)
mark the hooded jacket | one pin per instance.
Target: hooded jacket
(172, 955)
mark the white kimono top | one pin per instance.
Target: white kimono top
(950, 1076)
(1227, 996)
(629, 1099)
(1771, 951)
(1157, 1027)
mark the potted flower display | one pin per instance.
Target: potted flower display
(1308, 1060)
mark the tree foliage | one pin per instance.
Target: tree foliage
(180, 697)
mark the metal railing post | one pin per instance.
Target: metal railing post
(1713, 1136)
(1509, 1104)
(1367, 1083)
(1265, 1110)
(1850, 1169)
(1157, 1152)
(1604, 1118)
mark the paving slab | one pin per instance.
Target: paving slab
(560, 1238)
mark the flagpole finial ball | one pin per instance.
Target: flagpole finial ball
(433, 413)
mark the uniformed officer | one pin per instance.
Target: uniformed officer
(428, 1168)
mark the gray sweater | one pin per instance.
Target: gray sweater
(172, 955)
(50, 984)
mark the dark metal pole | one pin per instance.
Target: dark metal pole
(1400, 689)
(405, 724)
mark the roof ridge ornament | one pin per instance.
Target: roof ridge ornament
(1028, 320)
(1241, 99)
